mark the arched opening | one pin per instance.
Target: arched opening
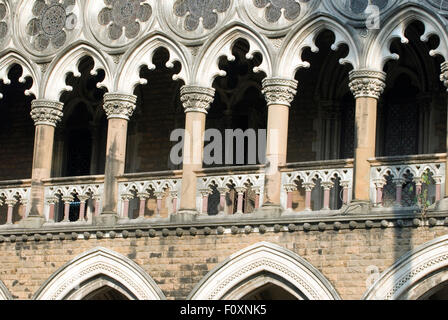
(322, 122)
(105, 293)
(440, 292)
(80, 138)
(17, 143)
(269, 292)
(16, 128)
(412, 110)
(238, 104)
(264, 269)
(159, 111)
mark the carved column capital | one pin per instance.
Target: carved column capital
(196, 99)
(367, 83)
(119, 106)
(46, 112)
(279, 91)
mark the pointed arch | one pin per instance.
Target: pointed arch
(206, 68)
(8, 60)
(295, 272)
(53, 84)
(304, 36)
(4, 292)
(378, 50)
(414, 273)
(104, 264)
(142, 55)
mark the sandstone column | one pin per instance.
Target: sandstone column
(444, 79)
(46, 114)
(279, 94)
(196, 102)
(366, 86)
(119, 108)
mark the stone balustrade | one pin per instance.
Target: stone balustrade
(14, 195)
(238, 191)
(317, 185)
(73, 199)
(398, 181)
(150, 195)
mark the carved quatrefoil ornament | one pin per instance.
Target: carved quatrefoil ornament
(196, 11)
(3, 24)
(124, 14)
(52, 20)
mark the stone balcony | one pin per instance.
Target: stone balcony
(314, 195)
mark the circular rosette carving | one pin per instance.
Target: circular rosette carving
(359, 12)
(50, 24)
(4, 22)
(277, 14)
(117, 22)
(195, 18)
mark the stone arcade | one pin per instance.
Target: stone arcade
(351, 204)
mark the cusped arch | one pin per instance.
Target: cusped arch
(264, 257)
(142, 55)
(8, 60)
(4, 292)
(413, 274)
(99, 262)
(304, 36)
(206, 67)
(54, 81)
(378, 51)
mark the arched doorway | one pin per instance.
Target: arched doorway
(420, 274)
(99, 274)
(264, 269)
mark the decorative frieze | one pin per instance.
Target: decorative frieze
(119, 106)
(46, 112)
(279, 91)
(196, 99)
(367, 83)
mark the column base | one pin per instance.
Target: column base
(357, 207)
(106, 219)
(269, 210)
(184, 215)
(32, 222)
(441, 205)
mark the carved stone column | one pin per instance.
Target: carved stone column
(279, 94)
(444, 79)
(46, 114)
(196, 102)
(119, 108)
(367, 87)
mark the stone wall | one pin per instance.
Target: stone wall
(178, 263)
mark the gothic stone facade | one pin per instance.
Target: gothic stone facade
(350, 201)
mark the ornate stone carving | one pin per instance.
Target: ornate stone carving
(119, 106)
(367, 83)
(196, 99)
(274, 9)
(125, 14)
(203, 10)
(279, 91)
(444, 74)
(3, 24)
(50, 23)
(46, 112)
